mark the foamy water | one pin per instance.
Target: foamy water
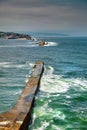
(28, 44)
(61, 103)
(53, 83)
(51, 44)
(52, 87)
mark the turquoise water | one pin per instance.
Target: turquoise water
(61, 103)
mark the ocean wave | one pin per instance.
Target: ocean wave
(30, 66)
(52, 83)
(4, 63)
(14, 65)
(10, 65)
(15, 46)
(29, 44)
(45, 115)
(51, 44)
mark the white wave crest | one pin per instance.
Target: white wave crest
(4, 63)
(45, 110)
(49, 70)
(51, 44)
(29, 64)
(11, 65)
(52, 83)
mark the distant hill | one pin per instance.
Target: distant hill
(48, 34)
(12, 35)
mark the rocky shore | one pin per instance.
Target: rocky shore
(18, 36)
(12, 35)
(42, 43)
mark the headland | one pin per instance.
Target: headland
(12, 35)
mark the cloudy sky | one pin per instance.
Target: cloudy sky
(63, 16)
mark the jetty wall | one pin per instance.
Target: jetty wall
(20, 116)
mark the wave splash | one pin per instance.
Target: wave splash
(52, 83)
(51, 44)
(55, 100)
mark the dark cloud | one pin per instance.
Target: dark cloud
(34, 3)
(61, 15)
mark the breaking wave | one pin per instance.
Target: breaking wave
(52, 83)
(56, 101)
(51, 44)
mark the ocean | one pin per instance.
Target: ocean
(61, 103)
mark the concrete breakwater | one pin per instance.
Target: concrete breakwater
(19, 117)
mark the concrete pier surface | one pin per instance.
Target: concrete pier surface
(19, 117)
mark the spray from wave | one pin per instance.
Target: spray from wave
(51, 44)
(53, 83)
(58, 97)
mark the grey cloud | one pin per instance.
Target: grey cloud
(34, 3)
(44, 14)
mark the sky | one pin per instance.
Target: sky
(62, 16)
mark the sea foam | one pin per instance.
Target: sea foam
(51, 44)
(52, 83)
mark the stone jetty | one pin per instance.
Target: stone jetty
(20, 116)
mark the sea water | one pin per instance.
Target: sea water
(61, 103)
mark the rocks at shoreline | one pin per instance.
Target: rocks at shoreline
(42, 43)
(12, 35)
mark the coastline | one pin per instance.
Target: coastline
(12, 35)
